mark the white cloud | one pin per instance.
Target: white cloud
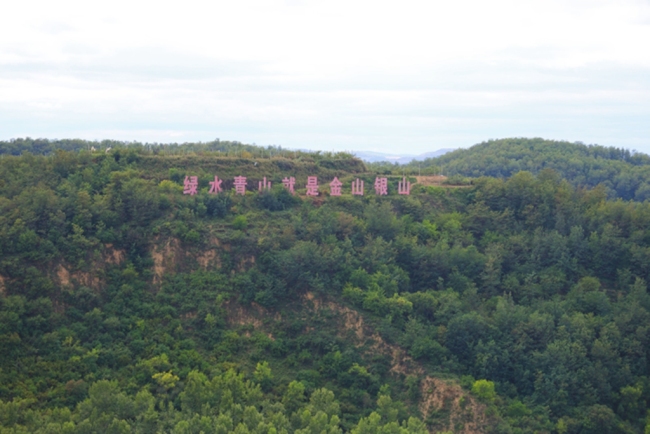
(337, 74)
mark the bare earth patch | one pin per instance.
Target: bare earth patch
(84, 278)
(209, 258)
(437, 181)
(64, 275)
(431, 180)
(113, 256)
(91, 279)
(164, 257)
(169, 256)
(466, 414)
(453, 408)
(236, 314)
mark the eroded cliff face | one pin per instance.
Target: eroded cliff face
(170, 256)
(92, 276)
(442, 403)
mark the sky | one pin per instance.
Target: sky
(397, 77)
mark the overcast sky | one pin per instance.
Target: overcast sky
(396, 77)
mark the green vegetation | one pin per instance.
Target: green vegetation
(126, 306)
(222, 148)
(624, 174)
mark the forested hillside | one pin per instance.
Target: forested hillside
(220, 147)
(514, 305)
(625, 174)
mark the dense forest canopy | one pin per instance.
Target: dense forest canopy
(514, 305)
(625, 174)
(46, 146)
(219, 147)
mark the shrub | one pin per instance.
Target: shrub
(240, 223)
(484, 390)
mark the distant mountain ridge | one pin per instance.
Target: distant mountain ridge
(377, 157)
(624, 173)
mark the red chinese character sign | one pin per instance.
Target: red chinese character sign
(190, 185)
(215, 186)
(381, 186)
(264, 185)
(289, 184)
(404, 187)
(240, 185)
(335, 187)
(357, 187)
(312, 186)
